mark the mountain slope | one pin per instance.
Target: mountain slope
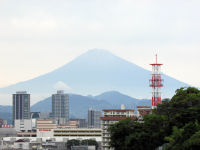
(117, 98)
(94, 72)
(6, 113)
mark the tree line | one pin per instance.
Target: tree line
(173, 125)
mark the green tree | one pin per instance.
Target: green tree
(175, 122)
(120, 131)
(181, 138)
(73, 142)
(193, 143)
(90, 142)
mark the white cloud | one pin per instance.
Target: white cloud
(61, 86)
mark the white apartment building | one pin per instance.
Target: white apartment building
(112, 116)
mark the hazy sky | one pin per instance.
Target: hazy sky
(39, 36)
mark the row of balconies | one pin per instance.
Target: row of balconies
(77, 135)
(63, 131)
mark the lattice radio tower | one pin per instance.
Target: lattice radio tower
(156, 82)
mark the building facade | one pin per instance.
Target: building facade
(112, 116)
(60, 107)
(77, 123)
(82, 123)
(23, 125)
(21, 106)
(143, 110)
(94, 119)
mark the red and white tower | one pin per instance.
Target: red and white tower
(156, 82)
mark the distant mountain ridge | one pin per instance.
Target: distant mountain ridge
(94, 72)
(116, 98)
(79, 105)
(6, 113)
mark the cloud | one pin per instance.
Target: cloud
(61, 86)
(130, 29)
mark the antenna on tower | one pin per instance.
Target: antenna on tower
(156, 58)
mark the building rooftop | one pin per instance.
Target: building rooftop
(143, 107)
(60, 92)
(21, 92)
(117, 118)
(118, 110)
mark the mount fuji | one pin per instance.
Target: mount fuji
(94, 72)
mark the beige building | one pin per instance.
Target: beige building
(73, 124)
(71, 133)
(112, 116)
(44, 128)
(79, 133)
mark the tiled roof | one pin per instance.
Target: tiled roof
(143, 107)
(116, 118)
(143, 112)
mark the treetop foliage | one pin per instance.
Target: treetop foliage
(76, 142)
(171, 124)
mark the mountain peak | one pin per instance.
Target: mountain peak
(97, 59)
(97, 53)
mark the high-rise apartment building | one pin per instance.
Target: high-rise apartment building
(60, 107)
(21, 106)
(94, 119)
(110, 117)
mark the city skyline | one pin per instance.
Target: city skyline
(99, 74)
(33, 33)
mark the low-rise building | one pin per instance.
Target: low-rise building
(22, 144)
(27, 134)
(71, 133)
(79, 133)
(73, 124)
(8, 132)
(79, 123)
(45, 128)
